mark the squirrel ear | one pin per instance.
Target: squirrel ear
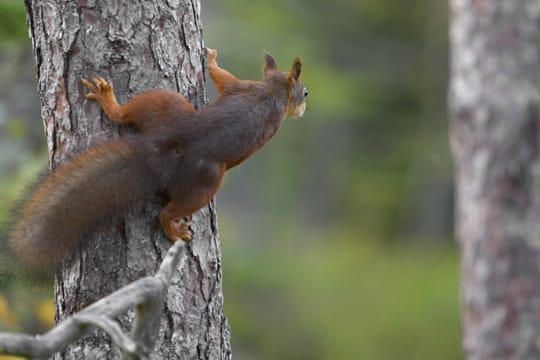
(296, 69)
(269, 62)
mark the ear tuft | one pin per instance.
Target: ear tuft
(269, 62)
(296, 68)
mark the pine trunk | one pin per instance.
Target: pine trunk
(138, 46)
(495, 102)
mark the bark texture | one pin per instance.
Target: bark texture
(494, 101)
(138, 45)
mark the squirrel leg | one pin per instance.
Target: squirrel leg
(102, 92)
(171, 219)
(224, 81)
(197, 189)
(145, 111)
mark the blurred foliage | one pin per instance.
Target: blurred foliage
(25, 305)
(342, 300)
(374, 136)
(7, 317)
(337, 237)
(11, 26)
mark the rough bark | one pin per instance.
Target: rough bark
(137, 45)
(494, 94)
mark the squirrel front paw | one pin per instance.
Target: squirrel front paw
(100, 89)
(212, 54)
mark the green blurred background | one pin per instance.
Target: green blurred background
(337, 237)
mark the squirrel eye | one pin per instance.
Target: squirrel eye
(306, 92)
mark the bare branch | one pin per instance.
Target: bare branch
(146, 295)
(171, 261)
(113, 329)
(147, 314)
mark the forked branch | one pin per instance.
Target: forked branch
(146, 295)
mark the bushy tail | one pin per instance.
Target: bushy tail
(92, 190)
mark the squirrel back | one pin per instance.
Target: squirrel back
(88, 192)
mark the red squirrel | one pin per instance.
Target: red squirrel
(178, 150)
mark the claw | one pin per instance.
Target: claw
(98, 87)
(89, 85)
(181, 230)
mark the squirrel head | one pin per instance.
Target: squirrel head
(296, 91)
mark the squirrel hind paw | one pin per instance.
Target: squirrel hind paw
(180, 230)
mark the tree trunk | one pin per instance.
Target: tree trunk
(494, 101)
(138, 46)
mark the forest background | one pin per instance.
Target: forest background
(338, 236)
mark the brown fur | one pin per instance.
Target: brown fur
(89, 192)
(179, 150)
